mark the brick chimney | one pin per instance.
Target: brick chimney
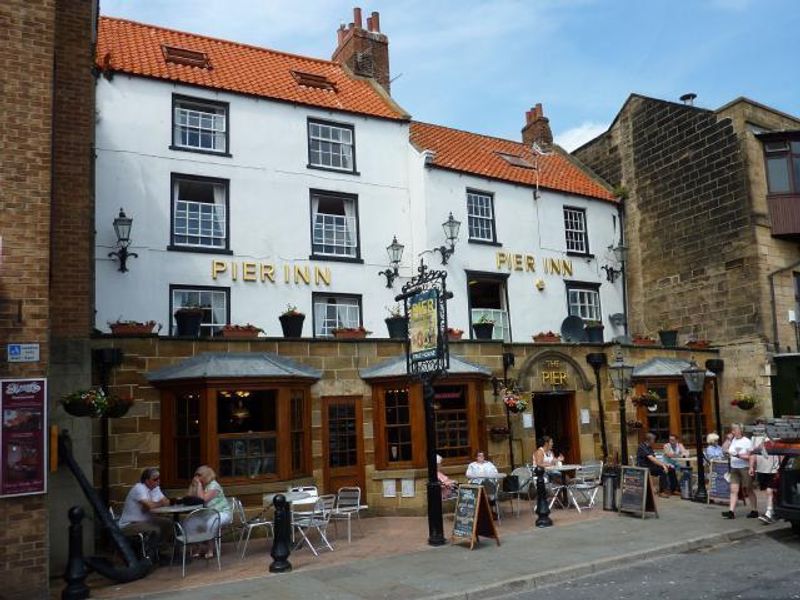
(537, 128)
(364, 51)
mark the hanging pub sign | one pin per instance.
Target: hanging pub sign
(23, 445)
(423, 324)
(425, 300)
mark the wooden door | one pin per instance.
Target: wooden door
(342, 442)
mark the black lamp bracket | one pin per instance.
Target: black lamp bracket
(390, 274)
(122, 255)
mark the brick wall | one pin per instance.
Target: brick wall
(26, 59)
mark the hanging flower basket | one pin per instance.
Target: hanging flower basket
(515, 402)
(94, 402)
(649, 400)
(499, 433)
(744, 401)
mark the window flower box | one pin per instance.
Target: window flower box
(547, 337)
(454, 334)
(698, 344)
(247, 331)
(643, 340)
(132, 327)
(350, 333)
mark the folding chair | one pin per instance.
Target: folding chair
(348, 504)
(586, 485)
(201, 525)
(139, 535)
(317, 520)
(247, 526)
(555, 490)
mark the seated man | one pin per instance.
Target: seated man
(673, 451)
(646, 458)
(136, 517)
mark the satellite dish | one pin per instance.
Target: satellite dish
(572, 329)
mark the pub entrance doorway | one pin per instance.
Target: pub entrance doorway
(342, 443)
(554, 415)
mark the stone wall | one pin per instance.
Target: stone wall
(135, 438)
(698, 229)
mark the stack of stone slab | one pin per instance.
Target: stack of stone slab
(782, 428)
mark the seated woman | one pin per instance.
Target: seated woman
(480, 468)
(673, 451)
(449, 486)
(205, 486)
(713, 451)
(544, 456)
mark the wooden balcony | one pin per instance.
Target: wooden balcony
(784, 212)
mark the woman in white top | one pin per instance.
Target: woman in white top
(480, 468)
(739, 450)
(544, 456)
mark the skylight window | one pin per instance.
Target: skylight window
(184, 56)
(515, 161)
(314, 80)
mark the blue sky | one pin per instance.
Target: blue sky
(479, 65)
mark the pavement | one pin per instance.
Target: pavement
(389, 559)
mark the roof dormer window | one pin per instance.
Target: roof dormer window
(184, 56)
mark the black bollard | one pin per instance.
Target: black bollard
(542, 508)
(76, 572)
(282, 544)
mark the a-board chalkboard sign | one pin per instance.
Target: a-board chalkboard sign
(718, 487)
(636, 492)
(473, 517)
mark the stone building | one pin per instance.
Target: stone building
(712, 239)
(47, 103)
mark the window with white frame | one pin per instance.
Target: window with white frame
(335, 312)
(583, 301)
(480, 210)
(330, 146)
(199, 125)
(199, 212)
(575, 228)
(334, 225)
(213, 301)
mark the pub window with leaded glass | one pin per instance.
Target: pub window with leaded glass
(658, 420)
(342, 436)
(298, 434)
(452, 424)
(398, 426)
(686, 405)
(247, 427)
(186, 442)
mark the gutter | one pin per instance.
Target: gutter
(771, 278)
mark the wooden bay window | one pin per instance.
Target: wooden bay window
(674, 413)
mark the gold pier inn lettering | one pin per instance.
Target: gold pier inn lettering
(268, 272)
(512, 261)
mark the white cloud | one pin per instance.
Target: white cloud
(578, 136)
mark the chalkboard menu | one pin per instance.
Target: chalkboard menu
(473, 516)
(636, 492)
(718, 487)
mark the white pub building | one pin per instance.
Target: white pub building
(257, 179)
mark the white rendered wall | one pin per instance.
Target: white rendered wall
(269, 204)
(527, 227)
(270, 216)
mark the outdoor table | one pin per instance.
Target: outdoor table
(564, 470)
(176, 510)
(291, 497)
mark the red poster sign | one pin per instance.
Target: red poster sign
(23, 445)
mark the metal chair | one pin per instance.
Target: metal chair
(348, 504)
(318, 521)
(490, 485)
(587, 483)
(201, 525)
(248, 525)
(555, 489)
(138, 535)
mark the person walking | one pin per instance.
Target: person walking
(763, 467)
(739, 450)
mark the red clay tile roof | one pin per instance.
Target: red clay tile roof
(480, 155)
(136, 48)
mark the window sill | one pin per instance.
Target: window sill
(580, 254)
(173, 248)
(344, 259)
(332, 169)
(485, 243)
(199, 151)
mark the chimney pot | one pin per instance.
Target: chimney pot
(369, 23)
(688, 99)
(376, 21)
(357, 17)
(537, 127)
